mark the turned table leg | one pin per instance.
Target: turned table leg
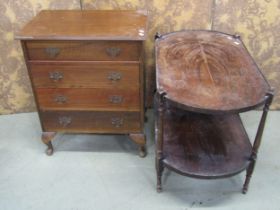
(160, 109)
(139, 139)
(248, 176)
(159, 169)
(257, 142)
(47, 137)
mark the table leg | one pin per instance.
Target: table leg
(159, 106)
(257, 142)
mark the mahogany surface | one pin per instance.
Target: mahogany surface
(86, 25)
(205, 146)
(208, 71)
(88, 99)
(84, 50)
(85, 74)
(86, 71)
(204, 80)
(91, 122)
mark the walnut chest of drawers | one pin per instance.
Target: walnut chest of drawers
(86, 72)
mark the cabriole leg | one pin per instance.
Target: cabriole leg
(47, 137)
(139, 139)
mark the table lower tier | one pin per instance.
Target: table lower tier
(91, 122)
(204, 146)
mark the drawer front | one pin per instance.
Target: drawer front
(91, 122)
(77, 75)
(88, 99)
(84, 50)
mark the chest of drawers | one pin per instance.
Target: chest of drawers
(86, 72)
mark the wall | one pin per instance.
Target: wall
(257, 21)
(15, 89)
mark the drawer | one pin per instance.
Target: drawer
(84, 74)
(88, 99)
(87, 122)
(84, 50)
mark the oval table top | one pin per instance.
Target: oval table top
(208, 71)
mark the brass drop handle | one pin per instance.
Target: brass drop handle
(64, 121)
(60, 99)
(52, 52)
(113, 51)
(114, 76)
(115, 99)
(117, 122)
(56, 76)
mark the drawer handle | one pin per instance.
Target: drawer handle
(60, 99)
(116, 99)
(64, 121)
(113, 51)
(114, 76)
(52, 52)
(117, 122)
(56, 76)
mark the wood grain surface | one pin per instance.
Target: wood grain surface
(84, 50)
(101, 99)
(86, 69)
(85, 74)
(205, 146)
(96, 25)
(208, 70)
(91, 122)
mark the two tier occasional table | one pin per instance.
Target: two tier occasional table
(204, 80)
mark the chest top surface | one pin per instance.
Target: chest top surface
(86, 25)
(208, 70)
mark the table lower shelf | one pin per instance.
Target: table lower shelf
(205, 146)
